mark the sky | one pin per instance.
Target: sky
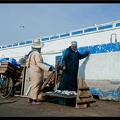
(26, 21)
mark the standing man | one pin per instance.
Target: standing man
(36, 69)
(70, 64)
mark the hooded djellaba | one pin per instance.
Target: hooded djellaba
(70, 64)
(36, 69)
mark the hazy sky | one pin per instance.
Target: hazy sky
(41, 19)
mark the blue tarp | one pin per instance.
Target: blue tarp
(11, 60)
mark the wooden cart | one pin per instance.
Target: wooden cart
(9, 75)
(10, 70)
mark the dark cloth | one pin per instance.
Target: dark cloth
(68, 79)
(28, 54)
(33, 49)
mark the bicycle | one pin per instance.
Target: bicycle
(6, 86)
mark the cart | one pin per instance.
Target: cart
(8, 77)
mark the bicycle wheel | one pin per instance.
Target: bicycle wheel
(6, 86)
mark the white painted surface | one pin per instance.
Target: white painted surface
(102, 66)
(83, 40)
(57, 45)
(16, 53)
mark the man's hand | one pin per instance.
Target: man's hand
(64, 67)
(50, 69)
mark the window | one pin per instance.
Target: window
(44, 39)
(54, 37)
(90, 30)
(65, 35)
(16, 44)
(29, 42)
(3, 46)
(117, 24)
(104, 27)
(77, 32)
(21, 43)
(9, 45)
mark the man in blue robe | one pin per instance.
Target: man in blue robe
(70, 64)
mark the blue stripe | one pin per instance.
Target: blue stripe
(54, 37)
(9, 45)
(117, 24)
(65, 35)
(44, 39)
(109, 94)
(29, 42)
(22, 43)
(16, 44)
(90, 30)
(3, 46)
(104, 27)
(103, 48)
(77, 32)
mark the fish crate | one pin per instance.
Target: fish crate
(8, 69)
(67, 100)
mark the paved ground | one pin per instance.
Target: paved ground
(19, 107)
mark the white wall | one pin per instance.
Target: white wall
(16, 53)
(58, 45)
(103, 66)
(99, 37)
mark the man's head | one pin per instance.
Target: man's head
(73, 45)
(37, 45)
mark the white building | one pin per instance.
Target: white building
(101, 69)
